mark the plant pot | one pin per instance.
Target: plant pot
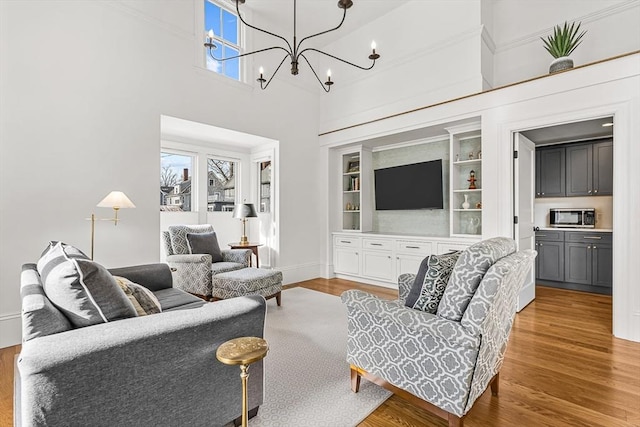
(560, 64)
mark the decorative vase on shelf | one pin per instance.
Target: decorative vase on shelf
(560, 64)
(472, 226)
(465, 204)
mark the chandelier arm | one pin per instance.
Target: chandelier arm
(248, 53)
(344, 15)
(274, 73)
(315, 74)
(338, 59)
(260, 29)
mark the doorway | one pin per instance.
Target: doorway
(553, 169)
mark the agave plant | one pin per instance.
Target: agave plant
(564, 40)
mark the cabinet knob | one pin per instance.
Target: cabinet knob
(594, 247)
(595, 191)
(389, 256)
(540, 244)
(543, 194)
(589, 191)
(589, 247)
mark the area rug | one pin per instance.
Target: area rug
(306, 374)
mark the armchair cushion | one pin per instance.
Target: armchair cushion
(204, 243)
(435, 271)
(83, 290)
(468, 272)
(178, 236)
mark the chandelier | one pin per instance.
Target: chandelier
(294, 51)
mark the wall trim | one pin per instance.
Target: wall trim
(487, 39)
(591, 17)
(10, 330)
(300, 272)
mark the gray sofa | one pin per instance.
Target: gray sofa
(155, 370)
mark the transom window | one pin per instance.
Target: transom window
(226, 35)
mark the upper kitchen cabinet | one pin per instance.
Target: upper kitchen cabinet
(575, 170)
(550, 172)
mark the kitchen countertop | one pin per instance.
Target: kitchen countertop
(584, 230)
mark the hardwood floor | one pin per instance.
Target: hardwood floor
(562, 368)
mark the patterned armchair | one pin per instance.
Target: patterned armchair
(192, 272)
(441, 362)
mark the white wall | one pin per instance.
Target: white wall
(83, 87)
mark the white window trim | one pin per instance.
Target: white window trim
(194, 173)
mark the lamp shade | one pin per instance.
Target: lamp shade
(244, 210)
(116, 200)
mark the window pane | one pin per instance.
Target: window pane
(232, 66)
(212, 18)
(212, 64)
(264, 186)
(230, 27)
(175, 182)
(221, 191)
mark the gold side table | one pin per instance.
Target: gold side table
(243, 351)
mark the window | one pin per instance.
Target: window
(264, 186)
(221, 191)
(176, 171)
(224, 25)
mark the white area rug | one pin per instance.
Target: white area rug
(307, 375)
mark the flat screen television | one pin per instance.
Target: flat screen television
(414, 186)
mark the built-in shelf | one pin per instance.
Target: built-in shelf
(351, 211)
(467, 210)
(351, 173)
(467, 162)
(467, 191)
(351, 191)
(357, 189)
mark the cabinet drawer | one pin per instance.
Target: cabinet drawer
(421, 248)
(380, 244)
(550, 235)
(349, 242)
(444, 247)
(588, 237)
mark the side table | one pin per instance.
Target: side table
(254, 248)
(243, 351)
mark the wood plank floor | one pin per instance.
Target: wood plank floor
(562, 368)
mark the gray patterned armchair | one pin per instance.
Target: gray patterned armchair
(192, 272)
(441, 362)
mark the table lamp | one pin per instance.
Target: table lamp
(242, 212)
(116, 200)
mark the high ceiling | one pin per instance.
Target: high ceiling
(314, 16)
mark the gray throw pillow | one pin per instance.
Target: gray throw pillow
(431, 281)
(84, 291)
(144, 301)
(204, 243)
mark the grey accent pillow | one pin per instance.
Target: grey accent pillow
(204, 243)
(144, 301)
(436, 270)
(84, 291)
(178, 235)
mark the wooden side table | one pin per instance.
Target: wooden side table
(254, 248)
(243, 351)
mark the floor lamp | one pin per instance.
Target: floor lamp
(116, 200)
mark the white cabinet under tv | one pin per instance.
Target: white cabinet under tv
(379, 258)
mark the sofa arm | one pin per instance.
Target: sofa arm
(405, 282)
(191, 273)
(132, 371)
(419, 322)
(242, 256)
(151, 276)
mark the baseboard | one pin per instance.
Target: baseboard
(300, 273)
(10, 330)
(367, 281)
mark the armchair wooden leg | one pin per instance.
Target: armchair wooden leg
(455, 421)
(495, 384)
(355, 380)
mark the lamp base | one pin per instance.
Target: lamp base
(244, 240)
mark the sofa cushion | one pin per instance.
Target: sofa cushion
(143, 300)
(39, 317)
(178, 234)
(204, 243)
(426, 295)
(176, 299)
(84, 291)
(468, 272)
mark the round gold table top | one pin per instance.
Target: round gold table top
(242, 351)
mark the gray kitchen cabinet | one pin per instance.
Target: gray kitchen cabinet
(550, 172)
(589, 259)
(550, 261)
(603, 168)
(579, 170)
(589, 170)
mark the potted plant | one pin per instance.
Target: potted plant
(564, 40)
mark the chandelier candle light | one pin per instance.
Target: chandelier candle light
(293, 50)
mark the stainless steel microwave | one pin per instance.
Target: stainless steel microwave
(572, 218)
